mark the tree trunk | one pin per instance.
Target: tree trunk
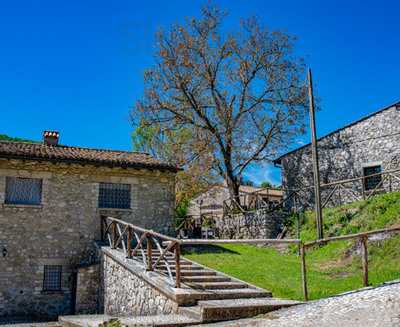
(233, 187)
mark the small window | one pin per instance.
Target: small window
(372, 182)
(112, 195)
(52, 278)
(23, 190)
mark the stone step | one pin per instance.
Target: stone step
(218, 285)
(205, 279)
(172, 267)
(219, 310)
(239, 293)
(170, 261)
(187, 272)
(175, 320)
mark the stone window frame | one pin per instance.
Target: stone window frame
(9, 202)
(128, 206)
(370, 165)
(52, 275)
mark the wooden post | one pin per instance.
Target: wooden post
(297, 222)
(364, 253)
(129, 243)
(177, 265)
(303, 271)
(114, 235)
(363, 187)
(149, 254)
(318, 211)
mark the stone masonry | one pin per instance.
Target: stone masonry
(61, 230)
(126, 294)
(260, 223)
(88, 292)
(343, 154)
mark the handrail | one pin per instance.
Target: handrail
(122, 238)
(352, 236)
(117, 236)
(239, 241)
(345, 181)
(143, 230)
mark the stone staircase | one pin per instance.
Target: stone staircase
(150, 278)
(214, 284)
(206, 296)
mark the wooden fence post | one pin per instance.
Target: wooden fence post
(114, 235)
(129, 243)
(177, 265)
(303, 271)
(364, 253)
(149, 253)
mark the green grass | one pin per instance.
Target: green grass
(333, 268)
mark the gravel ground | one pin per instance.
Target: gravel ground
(370, 307)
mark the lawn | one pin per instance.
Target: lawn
(332, 269)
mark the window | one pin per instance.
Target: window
(23, 190)
(372, 182)
(112, 195)
(52, 278)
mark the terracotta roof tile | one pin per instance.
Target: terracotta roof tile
(62, 153)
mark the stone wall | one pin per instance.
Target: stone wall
(127, 294)
(343, 155)
(61, 230)
(257, 224)
(88, 290)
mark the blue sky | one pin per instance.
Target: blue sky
(77, 66)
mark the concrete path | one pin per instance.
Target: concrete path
(370, 307)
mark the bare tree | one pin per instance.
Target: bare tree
(240, 94)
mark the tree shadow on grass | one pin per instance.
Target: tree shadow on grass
(199, 249)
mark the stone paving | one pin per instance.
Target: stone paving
(370, 307)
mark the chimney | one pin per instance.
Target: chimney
(50, 137)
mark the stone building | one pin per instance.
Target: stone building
(51, 200)
(368, 146)
(211, 203)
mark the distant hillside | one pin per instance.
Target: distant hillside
(4, 137)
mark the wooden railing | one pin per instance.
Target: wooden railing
(354, 188)
(362, 237)
(134, 240)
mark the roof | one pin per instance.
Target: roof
(278, 160)
(70, 154)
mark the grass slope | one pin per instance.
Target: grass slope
(333, 268)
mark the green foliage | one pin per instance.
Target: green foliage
(331, 269)
(266, 184)
(4, 137)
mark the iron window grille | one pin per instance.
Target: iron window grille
(113, 195)
(23, 190)
(372, 182)
(52, 278)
